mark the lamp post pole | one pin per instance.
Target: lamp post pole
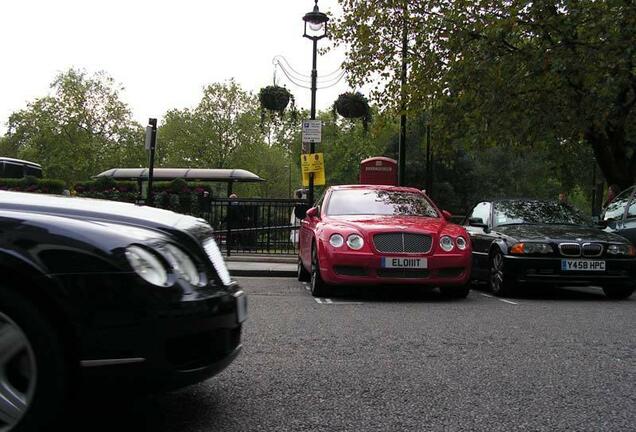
(317, 23)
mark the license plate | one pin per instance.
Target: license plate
(401, 262)
(582, 265)
(241, 306)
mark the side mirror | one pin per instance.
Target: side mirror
(313, 212)
(477, 222)
(300, 211)
(447, 215)
(600, 222)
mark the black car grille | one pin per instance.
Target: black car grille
(403, 242)
(570, 249)
(592, 249)
(402, 273)
(575, 249)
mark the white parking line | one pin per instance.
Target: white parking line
(318, 300)
(500, 299)
(508, 301)
(328, 301)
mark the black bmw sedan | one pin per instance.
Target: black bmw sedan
(532, 241)
(104, 292)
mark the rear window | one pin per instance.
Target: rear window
(379, 203)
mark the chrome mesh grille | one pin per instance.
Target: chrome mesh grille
(592, 249)
(402, 242)
(570, 249)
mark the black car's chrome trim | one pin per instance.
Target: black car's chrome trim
(570, 244)
(111, 362)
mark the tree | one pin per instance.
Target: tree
(80, 129)
(517, 72)
(209, 136)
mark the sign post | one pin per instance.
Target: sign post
(151, 144)
(312, 135)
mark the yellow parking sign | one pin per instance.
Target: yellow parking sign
(313, 163)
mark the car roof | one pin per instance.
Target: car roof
(376, 187)
(20, 162)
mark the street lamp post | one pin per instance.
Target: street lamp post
(315, 29)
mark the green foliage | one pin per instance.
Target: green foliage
(505, 73)
(33, 184)
(81, 129)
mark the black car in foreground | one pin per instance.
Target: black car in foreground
(532, 241)
(104, 292)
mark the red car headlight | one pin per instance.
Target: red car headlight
(355, 242)
(336, 240)
(461, 243)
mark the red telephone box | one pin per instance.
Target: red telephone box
(378, 171)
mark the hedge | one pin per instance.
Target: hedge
(177, 195)
(33, 184)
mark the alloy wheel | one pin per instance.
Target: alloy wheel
(496, 273)
(17, 372)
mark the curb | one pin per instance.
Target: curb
(263, 273)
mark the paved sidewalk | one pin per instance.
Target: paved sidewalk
(262, 266)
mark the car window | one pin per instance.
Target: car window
(482, 211)
(12, 170)
(616, 208)
(379, 202)
(511, 212)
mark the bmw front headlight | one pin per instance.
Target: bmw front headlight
(182, 264)
(147, 265)
(621, 249)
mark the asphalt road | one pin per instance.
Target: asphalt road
(394, 360)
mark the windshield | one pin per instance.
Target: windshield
(537, 212)
(379, 202)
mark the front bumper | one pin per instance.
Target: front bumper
(527, 270)
(169, 345)
(348, 268)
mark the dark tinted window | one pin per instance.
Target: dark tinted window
(537, 212)
(616, 208)
(12, 170)
(379, 202)
(32, 171)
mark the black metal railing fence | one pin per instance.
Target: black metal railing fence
(254, 225)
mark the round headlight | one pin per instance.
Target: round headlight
(336, 240)
(182, 264)
(147, 265)
(355, 242)
(446, 243)
(461, 243)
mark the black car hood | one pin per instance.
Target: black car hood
(98, 210)
(576, 233)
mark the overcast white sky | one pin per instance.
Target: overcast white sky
(163, 52)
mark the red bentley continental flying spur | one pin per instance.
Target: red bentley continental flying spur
(377, 235)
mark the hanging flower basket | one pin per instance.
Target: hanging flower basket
(352, 106)
(274, 98)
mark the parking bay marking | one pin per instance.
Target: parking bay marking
(503, 300)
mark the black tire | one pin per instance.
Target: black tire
(42, 375)
(318, 287)
(618, 292)
(499, 284)
(303, 274)
(455, 292)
